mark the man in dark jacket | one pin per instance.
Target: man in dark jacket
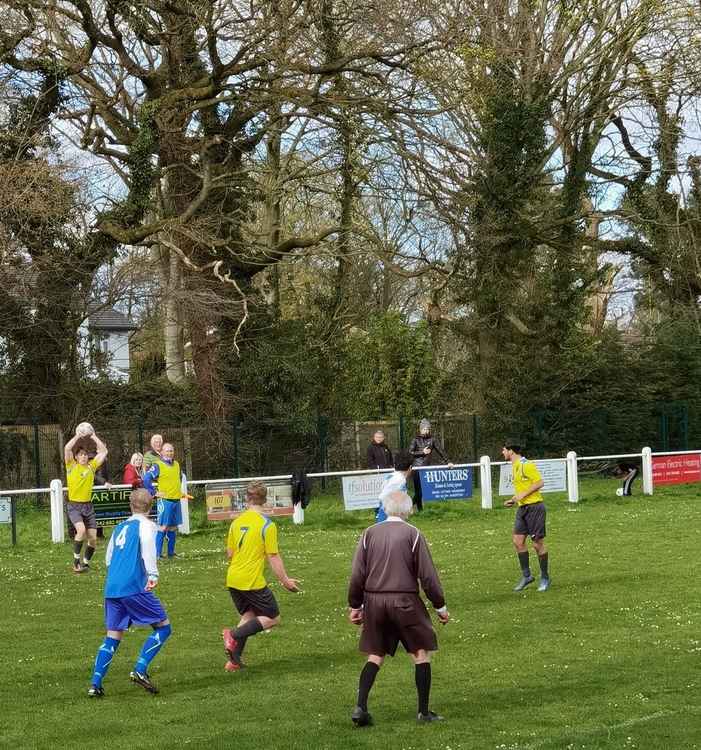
(379, 454)
(426, 451)
(391, 559)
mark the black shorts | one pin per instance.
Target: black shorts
(82, 513)
(390, 619)
(259, 601)
(530, 520)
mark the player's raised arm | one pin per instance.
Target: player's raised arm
(68, 449)
(101, 454)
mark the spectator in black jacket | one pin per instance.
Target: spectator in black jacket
(426, 451)
(379, 454)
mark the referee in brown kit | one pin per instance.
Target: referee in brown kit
(383, 594)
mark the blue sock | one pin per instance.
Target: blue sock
(152, 645)
(171, 543)
(159, 542)
(104, 659)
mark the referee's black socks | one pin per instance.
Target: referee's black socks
(367, 679)
(543, 560)
(77, 547)
(422, 676)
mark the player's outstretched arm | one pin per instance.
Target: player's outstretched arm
(278, 567)
(101, 454)
(68, 449)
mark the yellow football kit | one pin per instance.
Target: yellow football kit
(80, 480)
(251, 537)
(525, 473)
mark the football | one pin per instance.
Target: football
(619, 492)
(84, 429)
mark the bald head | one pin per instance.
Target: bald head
(168, 451)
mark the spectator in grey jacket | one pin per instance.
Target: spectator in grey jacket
(391, 559)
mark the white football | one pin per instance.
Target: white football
(619, 492)
(84, 429)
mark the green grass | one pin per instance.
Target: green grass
(610, 657)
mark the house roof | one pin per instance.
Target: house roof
(109, 319)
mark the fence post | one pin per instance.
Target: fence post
(402, 433)
(235, 427)
(184, 527)
(647, 471)
(572, 479)
(486, 482)
(56, 493)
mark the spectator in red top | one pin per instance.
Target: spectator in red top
(134, 471)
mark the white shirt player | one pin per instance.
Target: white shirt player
(131, 557)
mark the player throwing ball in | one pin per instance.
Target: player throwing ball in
(530, 515)
(80, 478)
(252, 539)
(132, 574)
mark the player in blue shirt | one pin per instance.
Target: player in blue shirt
(395, 482)
(132, 573)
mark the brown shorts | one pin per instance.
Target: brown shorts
(391, 618)
(82, 513)
(259, 601)
(530, 520)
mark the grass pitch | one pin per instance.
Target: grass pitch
(610, 657)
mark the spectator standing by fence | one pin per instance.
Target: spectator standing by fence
(426, 451)
(379, 453)
(134, 471)
(154, 452)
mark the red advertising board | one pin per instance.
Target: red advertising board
(676, 469)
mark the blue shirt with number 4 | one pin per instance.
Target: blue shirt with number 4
(131, 557)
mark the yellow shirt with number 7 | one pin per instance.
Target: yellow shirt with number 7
(251, 537)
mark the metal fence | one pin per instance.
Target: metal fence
(32, 454)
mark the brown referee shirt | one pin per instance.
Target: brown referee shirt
(391, 558)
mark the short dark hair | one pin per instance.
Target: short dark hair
(512, 444)
(403, 460)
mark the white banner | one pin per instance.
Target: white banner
(554, 475)
(363, 490)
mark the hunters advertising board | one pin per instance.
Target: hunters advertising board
(446, 484)
(554, 475)
(228, 500)
(678, 469)
(362, 491)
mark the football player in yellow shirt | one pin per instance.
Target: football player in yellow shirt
(80, 478)
(530, 515)
(252, 540)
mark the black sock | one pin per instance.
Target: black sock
(367, 679)
(89, 552)
(543, 560)
(77, 547)
(422, 676)
(247, 629)
(523, 562)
